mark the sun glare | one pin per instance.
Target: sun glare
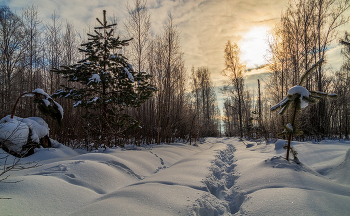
(254, 46)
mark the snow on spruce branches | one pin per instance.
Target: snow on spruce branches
(108, 83)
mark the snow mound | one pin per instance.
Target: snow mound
(220, 176)
(14, 132)
(272, 185)
(37, 125)
(294, 201)
(279, 144)
(110, 182)
(291, 166)
(341, 172)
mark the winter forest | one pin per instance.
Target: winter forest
(185, 105)
(119, 84)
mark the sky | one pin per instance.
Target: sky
(204, 25)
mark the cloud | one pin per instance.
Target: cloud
(204, 25)
(79, 12)
(334, 57)
(206, 30)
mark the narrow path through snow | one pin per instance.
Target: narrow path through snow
(166, 192)
(220, 176)
(222, 197)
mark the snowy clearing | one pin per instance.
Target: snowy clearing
(221, 176)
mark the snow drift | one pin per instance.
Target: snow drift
(218, 177)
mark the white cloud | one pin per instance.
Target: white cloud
(204, 25)
(254, 46)
(334, 57)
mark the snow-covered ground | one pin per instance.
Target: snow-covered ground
(221, 176)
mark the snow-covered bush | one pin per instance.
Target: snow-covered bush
(19, 136)
(13, 134)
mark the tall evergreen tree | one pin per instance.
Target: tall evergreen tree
(108, 82)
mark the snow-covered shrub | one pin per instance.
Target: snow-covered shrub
(19, 136)
(13, 134)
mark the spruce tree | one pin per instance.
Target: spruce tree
(108, 83)
(298, 97)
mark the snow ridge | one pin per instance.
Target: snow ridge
(222, 197)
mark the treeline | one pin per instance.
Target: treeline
(306, 31)
(184, 107)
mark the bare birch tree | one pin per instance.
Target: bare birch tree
(234, 70)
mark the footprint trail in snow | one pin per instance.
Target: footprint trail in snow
(222, 197)
(161, 162)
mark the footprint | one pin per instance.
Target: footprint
(70, 175)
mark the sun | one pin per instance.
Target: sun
(254, 46)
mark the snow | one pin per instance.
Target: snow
(47, 103)
(219, 176)
(40, 91)
(281, 111)
(94, 78)
(93, 100)
(28, 95)
(37, 130)
(279, 144)
(129, 75)
(59, 108)
(130, 66)
(77, 104)
(273, 186)
(280, 104)
(289, 126)
(15, 131)
(303, 93)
